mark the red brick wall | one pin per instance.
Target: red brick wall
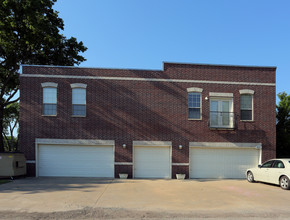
(144, 110)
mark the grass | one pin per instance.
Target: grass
(4, 181)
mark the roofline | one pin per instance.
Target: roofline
(164, 63)
(81, 67)
(225, 65)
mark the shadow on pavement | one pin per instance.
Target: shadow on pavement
(49, 184)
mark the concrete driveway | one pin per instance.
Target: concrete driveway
(206, 198)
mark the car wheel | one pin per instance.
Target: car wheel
(284, 182)
(250, 177)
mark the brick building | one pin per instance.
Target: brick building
(206, 121)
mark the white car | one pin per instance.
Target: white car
(275, 171)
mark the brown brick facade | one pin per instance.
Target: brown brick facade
(132, 110)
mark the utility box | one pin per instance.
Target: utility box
(12, 164)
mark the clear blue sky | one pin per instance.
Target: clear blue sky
(142, 34)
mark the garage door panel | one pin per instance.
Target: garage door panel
(152, 162)
(221, 162)
(76, 161)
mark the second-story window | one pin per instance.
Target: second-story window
(49, 99)
(246, 107)
(221, 110)
(194, 105)
(78, 99)
(246, 104)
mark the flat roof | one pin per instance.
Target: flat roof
(164, 63)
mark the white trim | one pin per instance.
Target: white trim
(36, 158)
(78, 85)
(194, 89)
(221, 94)
(49, 84)
(146, 79)
(260, 156)
(30, 161)
(74, 141)
(152, 143)
(180, 164)
(123, 163)
(225, 145)
(247, 91)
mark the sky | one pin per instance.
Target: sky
(142, 34)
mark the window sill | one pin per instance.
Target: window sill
(214, 128)
(78, 116)
(192, 119)
(49, 115)
(247, 120)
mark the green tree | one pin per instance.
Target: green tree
(30, 33)
(10, 123)
(283, 125)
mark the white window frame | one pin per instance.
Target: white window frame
(194, 90)
(220, 99)
(44, 86)
(79, 86)
(251, 93)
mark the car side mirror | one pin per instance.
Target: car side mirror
(259, 166)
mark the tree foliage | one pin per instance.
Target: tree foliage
(283, 125)
(30, 33)
(10, 122)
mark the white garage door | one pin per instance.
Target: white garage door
(76, 161)
(152, 162)
(222, 163)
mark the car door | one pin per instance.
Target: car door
(263, 172)
(276, 171)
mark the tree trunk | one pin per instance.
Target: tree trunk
(1, 129)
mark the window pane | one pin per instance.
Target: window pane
(214, 106)
(267, 164)
(278, 164)
(194, 100)
(246, 114)
(214, 118)
(79, 110)
(225, 106)
(225, 118)
(78, 96)
(49, 95)
(194, 113)
(246, 102)
(49, 109)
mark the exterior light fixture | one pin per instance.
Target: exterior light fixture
(206, 98)
(124, 145)
(180, 147)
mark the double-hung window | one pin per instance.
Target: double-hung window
(194, 111)
(78, 99)
(246, 105)
(49, 107)
(194, 103)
